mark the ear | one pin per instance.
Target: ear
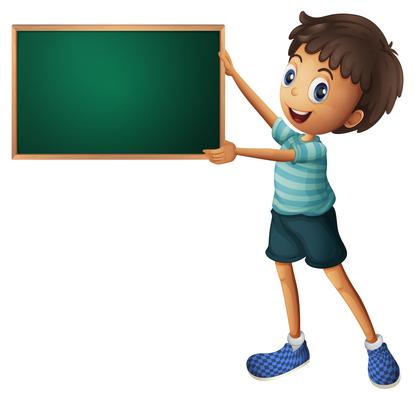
(355, 118)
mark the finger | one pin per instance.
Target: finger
(225, 59)
(217, 151)
(216, 156)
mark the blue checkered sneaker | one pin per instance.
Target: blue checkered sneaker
(271, 365)
(383, 369)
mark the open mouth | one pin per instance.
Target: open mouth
(299, 116)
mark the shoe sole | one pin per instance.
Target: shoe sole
(386, 386)
(277, 376)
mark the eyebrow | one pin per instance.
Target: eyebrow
(327, 70)
(296, 55)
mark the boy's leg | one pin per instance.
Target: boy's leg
(295, 352)
(292, 304)
(382, 367)
(341, 282)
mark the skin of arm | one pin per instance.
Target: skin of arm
(266, 113)
(267, 154)
(229, 151)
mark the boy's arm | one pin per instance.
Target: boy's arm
(266, 113)
(229, 151)
(267, 154)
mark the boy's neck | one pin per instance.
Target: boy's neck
(308, 137)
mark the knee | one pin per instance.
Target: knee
(340, 287)
(337, 278)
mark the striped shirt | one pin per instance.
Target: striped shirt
(301, 186)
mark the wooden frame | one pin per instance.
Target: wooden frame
(17, 28)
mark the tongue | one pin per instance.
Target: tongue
(298, 117)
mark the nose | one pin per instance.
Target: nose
(294, 91)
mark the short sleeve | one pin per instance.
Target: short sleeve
(308, 151)
(281, 131)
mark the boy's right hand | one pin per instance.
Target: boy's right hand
(227, 62)
(222, 155)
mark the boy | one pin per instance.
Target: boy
(342, 75)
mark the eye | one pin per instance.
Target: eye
(289, 75)
(318, 90)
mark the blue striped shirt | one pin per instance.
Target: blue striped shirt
(301, 186)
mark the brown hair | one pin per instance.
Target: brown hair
(360, 48)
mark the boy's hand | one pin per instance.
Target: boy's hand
(227, 62)
(222, 155)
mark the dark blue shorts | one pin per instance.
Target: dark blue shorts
(293, 237)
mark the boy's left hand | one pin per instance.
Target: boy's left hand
(227, 62)
(222, 155)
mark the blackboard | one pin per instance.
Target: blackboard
(126, 91)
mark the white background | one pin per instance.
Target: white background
(148, 279)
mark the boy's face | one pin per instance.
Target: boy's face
(316, 99)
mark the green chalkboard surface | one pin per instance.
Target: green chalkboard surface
(145, 91)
